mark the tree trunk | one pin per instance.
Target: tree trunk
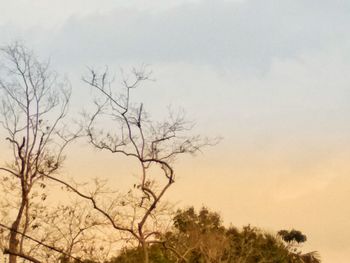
(145, 252)
(25, 227)
(13, 242)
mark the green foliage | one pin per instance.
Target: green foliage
(198, 237)
(293, 235)
(253, 245)
(201, 238)
(157, 254)
(205, 221)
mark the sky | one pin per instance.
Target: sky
(270, 77)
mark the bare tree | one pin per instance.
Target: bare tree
(34, 101)
(153, 145)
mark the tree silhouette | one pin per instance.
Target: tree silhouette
(34, 101)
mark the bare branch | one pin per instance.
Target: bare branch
(36, 241)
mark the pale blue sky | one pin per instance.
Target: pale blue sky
(270, 76)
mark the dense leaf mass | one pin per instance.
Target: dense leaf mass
(201, 238)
